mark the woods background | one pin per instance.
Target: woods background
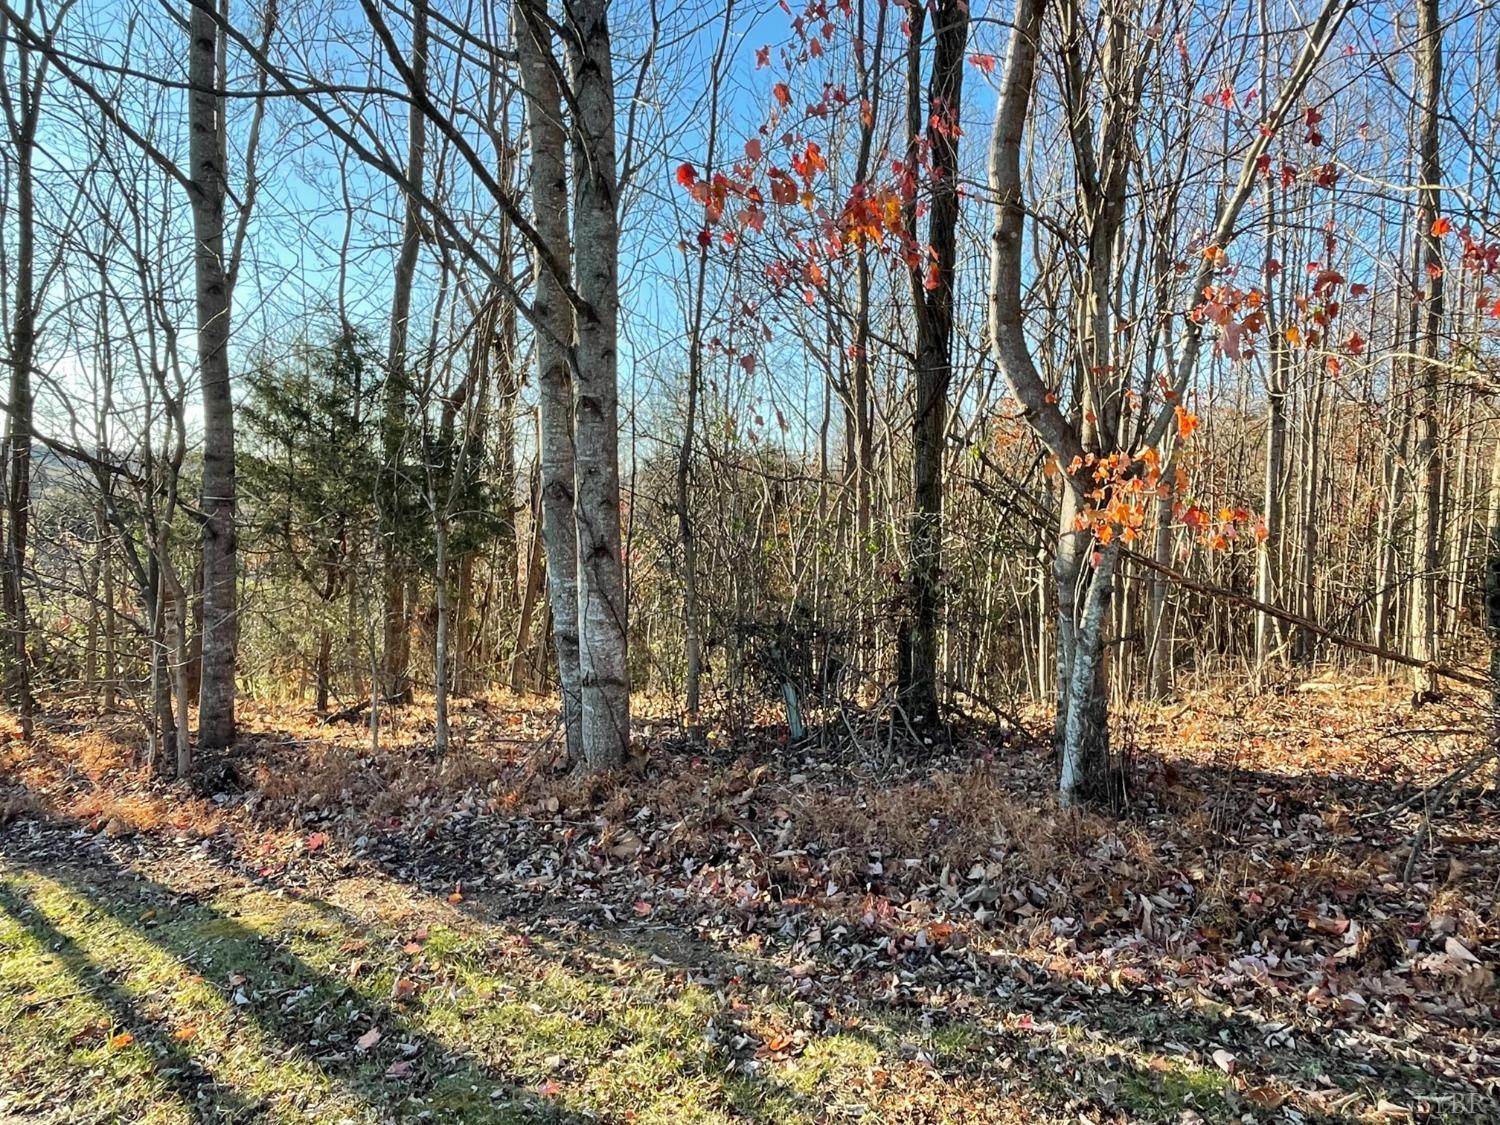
(833, 405)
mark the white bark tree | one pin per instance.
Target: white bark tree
(604, 677)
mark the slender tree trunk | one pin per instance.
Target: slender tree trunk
(1312, 517)
(175, 608)
(91, 636)
(554, 339)
(932, 299)
(206, 154)
(1397, 435)
(1085, 743)
(603, 670)
(24, 108)
(396, 631)
(1460, 519)
(323, 664)
(1427, 460)
(1159, 665)
(1492, 585)
(1268, 551)
(195, 636)
(692, 642)
(522, 659)
(465, 656)
(160, 735)
(687, 537)
(860, 427)
(440, 645)
(111, 661)
(323, 670)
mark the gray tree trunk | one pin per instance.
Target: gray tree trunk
(206, 157)
(440, 645)
(603, 671)
(1427, 461)
(22, 107)
(1268, 551)
(396, 632)
(1492, 585)
(554, 337)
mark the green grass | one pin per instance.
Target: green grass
(122, 1001)
(123, 1005)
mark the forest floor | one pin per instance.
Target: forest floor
(738, 929)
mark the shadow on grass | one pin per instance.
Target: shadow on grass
(1113, 1035)
(315, 1016)
(199, 1089)
(406, 1072)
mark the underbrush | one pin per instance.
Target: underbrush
(1288, 864)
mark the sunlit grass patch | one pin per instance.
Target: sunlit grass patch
(120, 1002)
(124, 1030)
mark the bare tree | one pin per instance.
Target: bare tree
(554, 339)
(206, 191)
(604, 677)
(23, 108)
(1094, 433)
(932, 295)
(1427, 467)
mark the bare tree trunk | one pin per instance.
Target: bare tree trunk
(107, 698)
(22, 109)
(1397, 435)
(1492, 583)
(1426, 461)
(1085, 744)
(1461, 507)
(206, 155)
(1312, 517)
(1268, 551)
(554, 337)
(1159, 665)
(691, 638)
(932, 300)
(323, 670)
(175, 609)
(440, 645)
(521, 656)
(603, 671)
(395, 666)
(1082, 711)
(692, 642)
(160, 735)
(860, 436)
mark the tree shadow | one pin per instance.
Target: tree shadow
(200, 1090)
(1123, 1034)
(438, 1076)
(423, 1066)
